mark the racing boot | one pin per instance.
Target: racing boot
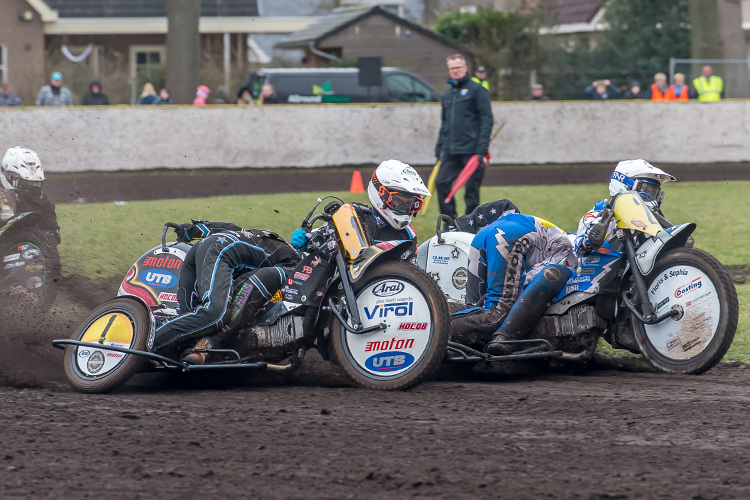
(496, 345)
(199, 358)
(529, 308)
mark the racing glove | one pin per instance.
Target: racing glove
(189, 232)
(299, 239)
(597, 235)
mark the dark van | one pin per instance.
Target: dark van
(319, 85)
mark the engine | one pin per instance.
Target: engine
(281, 333)
(574, 330)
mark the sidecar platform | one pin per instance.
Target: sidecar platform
(162, 363)
(529, 349)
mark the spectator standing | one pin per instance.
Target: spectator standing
(634, 92)
(708, 87)
(466, 124)
(658, 88)
(267, 94)
(95, 97)
(201, 94)
(480, 76)
(54, 94)
(678, 91)
(536, 93)
(8, 97)
(602, 90)
(164, 97)
(148, 96)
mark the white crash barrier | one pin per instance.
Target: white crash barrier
(135, 138)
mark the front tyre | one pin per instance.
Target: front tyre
(412, 346)
(696, 284)
(120, 322)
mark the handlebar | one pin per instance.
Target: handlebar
(164, 234)
(438, 232)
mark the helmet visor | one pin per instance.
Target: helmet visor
(649, 190)
(29, 188)
(404, 203)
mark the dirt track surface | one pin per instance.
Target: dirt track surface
(598, 433)
(595, 435)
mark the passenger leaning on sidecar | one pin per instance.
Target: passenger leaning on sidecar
(21, 189)
(629, 175)
(224, 253)
(517, 264)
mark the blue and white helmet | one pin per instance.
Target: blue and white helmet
(640, 176)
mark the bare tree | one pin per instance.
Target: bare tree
(183, 49)
(717, 34)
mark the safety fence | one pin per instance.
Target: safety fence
(135, 138)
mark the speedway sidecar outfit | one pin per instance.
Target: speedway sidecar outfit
(515, 253)
(209, 270)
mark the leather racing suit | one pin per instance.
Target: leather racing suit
(226, 253)
(515, 253)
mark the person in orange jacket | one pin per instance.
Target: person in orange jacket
(657, 89)
(678, 91)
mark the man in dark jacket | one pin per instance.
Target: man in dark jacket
(95, 97)
(464, 131)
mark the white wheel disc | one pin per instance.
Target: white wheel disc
(390, 352)
(691, 289)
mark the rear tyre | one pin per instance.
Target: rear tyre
(695, 283)
(120, 322)
(412, 346)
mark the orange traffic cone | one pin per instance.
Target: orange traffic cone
(357, 186)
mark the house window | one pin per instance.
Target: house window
(3, 63)
(147, 64)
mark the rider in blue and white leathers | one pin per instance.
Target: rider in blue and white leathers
(520, 262)
(629, 175)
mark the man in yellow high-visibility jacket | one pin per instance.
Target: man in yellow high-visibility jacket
(708, 87)
(480, 76)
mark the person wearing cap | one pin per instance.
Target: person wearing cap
(537, 93)
(54, 94)
(480, 76)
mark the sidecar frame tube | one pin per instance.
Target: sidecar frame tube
(166, 363)
(469, 355)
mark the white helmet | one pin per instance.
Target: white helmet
(640, 176)
(22, 165)
(396, 191)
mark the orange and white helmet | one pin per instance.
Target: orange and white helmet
(397, 192)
